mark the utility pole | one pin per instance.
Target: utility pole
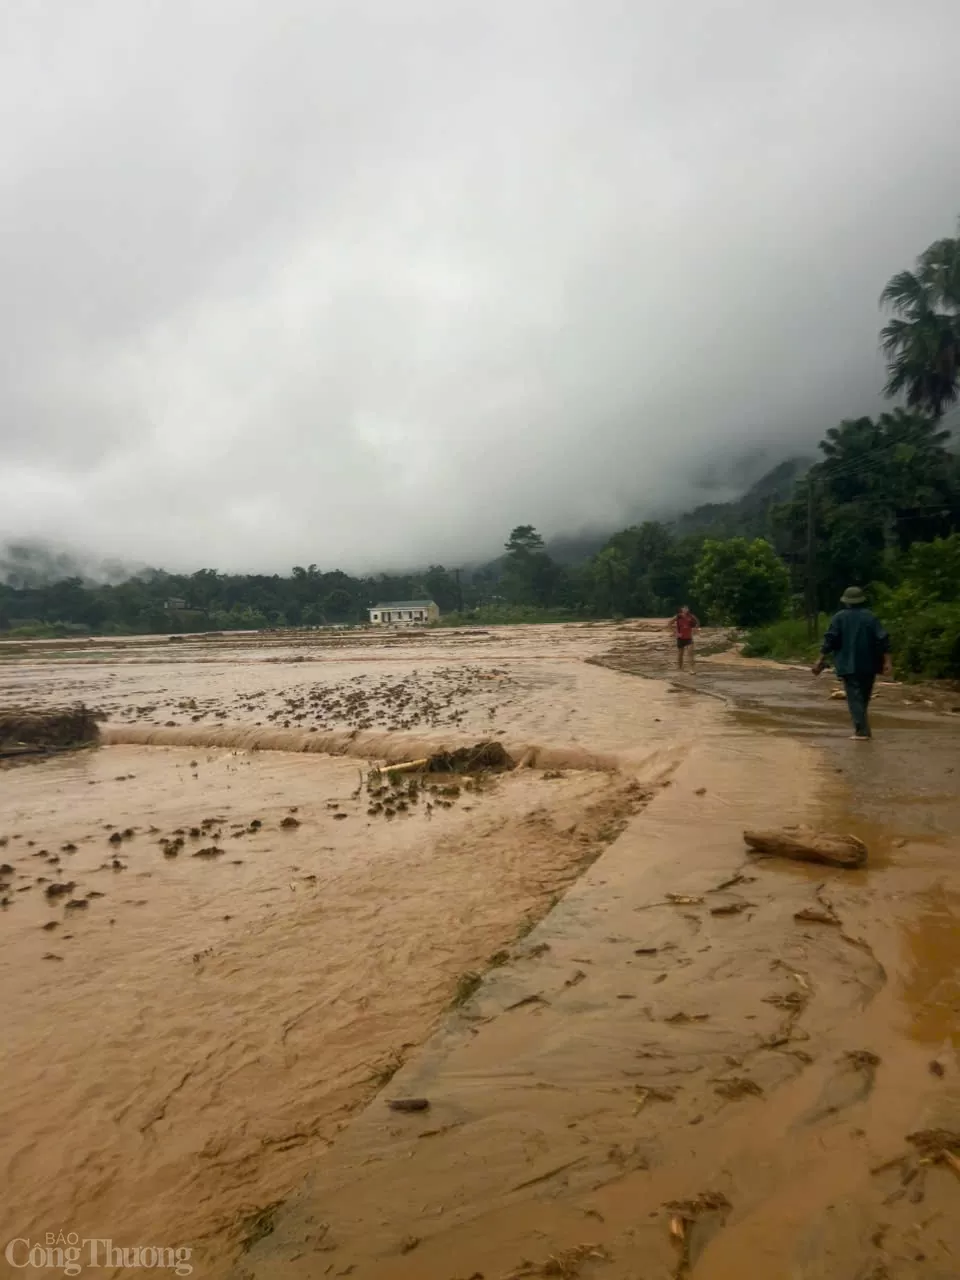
(811, 585)
(456, 574)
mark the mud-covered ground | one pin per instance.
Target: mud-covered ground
(215, 953)
(695, 1064)
(703, 1064)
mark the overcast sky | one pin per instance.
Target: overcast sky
(368, 282)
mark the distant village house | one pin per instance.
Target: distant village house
(407, 613)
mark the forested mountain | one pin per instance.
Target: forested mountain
(749, 516)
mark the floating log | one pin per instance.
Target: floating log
(408, 766)
(805, 844)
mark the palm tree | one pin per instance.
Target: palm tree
(922, 345)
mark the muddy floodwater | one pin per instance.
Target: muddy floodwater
(640, 1053)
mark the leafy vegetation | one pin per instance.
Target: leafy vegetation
(923, 609)
(787, 639)
(740, 582)
(922, 342)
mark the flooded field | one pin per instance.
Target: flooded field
(218, 945)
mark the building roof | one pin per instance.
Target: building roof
(405, 604)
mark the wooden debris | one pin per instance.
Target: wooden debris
(731, 908)
(647, 1094)
(812, 915)
(536, 998)
(934, 1142)
(805, 844)
(482, 757)
(550, 1173)
(686, 1216)
(408, 1104)
(706, 1202)
(565, 1265)
(738, 878)
(738, 1087)
(409, 766)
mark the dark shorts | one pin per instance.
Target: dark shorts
(682, 644)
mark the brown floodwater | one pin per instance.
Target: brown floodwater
(188, 1054)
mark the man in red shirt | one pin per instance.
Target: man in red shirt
(684, 624)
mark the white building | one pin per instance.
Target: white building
(406, 613)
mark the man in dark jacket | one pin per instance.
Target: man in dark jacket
(861, 651)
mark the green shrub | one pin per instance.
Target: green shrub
(927, 642)
(31, 629)
(786, 640)
(922, 614)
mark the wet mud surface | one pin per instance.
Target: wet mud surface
(705, 1064)
(697, 1063)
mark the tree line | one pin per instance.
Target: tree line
(880, 508)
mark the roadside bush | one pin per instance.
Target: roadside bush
(30, 629)
(786, 640)
(922, 614)
(927, 642)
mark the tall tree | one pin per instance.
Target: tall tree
(882, 484)
(529, 575)
(740, 582)
(441, 587)
(922, 342)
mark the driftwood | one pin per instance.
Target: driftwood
(805, 844)
(408, 766)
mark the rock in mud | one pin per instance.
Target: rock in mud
(408, 1104)
(805, 844)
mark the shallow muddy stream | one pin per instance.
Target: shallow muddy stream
(193, 1029)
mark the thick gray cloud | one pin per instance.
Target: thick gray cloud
(367, 282)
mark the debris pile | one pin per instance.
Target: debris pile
(34, 732)
(482, 757)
